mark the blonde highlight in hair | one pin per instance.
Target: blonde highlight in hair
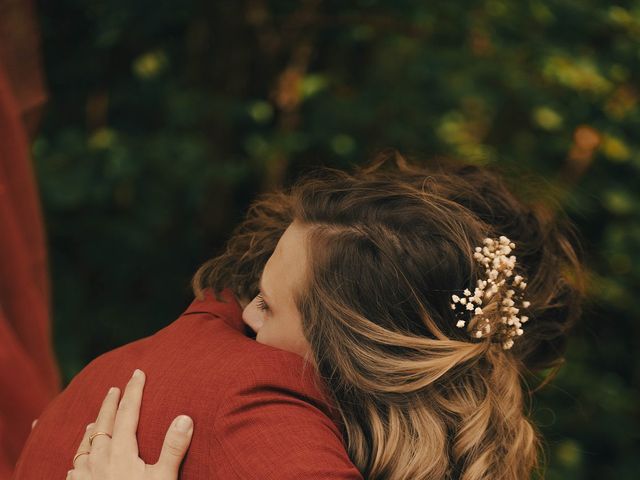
(419, 398)
(387, 246)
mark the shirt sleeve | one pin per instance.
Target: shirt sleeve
(268, 428)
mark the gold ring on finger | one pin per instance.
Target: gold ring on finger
(94, 435)
(78, 455)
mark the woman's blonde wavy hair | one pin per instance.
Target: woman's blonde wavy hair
(388, 246)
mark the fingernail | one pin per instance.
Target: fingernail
(137, 373)
(89, 426)
(112, 390)
(183, 423)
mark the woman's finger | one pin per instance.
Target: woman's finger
(126, 423)
(176, 443)
(80, 459)
(104, 423)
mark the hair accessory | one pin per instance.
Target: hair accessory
(502, 286)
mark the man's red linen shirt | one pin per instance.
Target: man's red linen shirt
(257, 410)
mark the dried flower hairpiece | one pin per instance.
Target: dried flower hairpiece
(499, 266)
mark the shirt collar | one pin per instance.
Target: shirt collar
(228, 308)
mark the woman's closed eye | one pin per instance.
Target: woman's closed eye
(262, 305)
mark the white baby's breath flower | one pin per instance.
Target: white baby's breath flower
(498, 286)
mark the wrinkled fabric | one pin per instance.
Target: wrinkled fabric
(29, 377)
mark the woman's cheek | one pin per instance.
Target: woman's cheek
(268, 335)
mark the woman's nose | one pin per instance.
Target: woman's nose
(252, 317)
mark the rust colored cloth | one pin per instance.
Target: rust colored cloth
(29, 377)
(20, 59)
(258, 412)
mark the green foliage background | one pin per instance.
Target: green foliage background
(167, 117)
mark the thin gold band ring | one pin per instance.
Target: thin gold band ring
(78, 455)
(94, 435)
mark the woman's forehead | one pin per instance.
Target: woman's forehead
(287, 265)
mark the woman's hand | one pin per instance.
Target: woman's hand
(109, 449)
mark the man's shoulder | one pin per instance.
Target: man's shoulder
(206, 341)
(204, 366)
(207, 321)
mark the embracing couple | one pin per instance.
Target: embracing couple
(374, 324)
